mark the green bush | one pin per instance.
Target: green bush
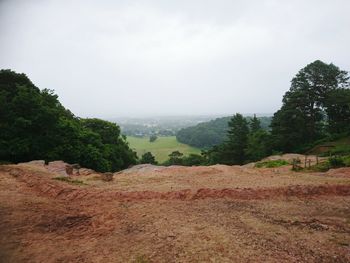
(346, 160)
(331, 163)
(271, 164)
(335, 162)
(341, 150)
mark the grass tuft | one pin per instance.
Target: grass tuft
(271, 164)
(69, 180)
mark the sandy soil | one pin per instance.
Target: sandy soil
(176, 214)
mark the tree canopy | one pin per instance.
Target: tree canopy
(208, 134)
(34, 125)
(316, 105)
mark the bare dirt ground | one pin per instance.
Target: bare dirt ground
(175, 214)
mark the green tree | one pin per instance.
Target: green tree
(175, 158)
(34, 125)
(258, 145)
(153, 138)
(148, 158)
(337, 106)
(194, 159)
(302, 117)
(254, 124)
(237, 140)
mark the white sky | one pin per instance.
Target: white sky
(184, 57)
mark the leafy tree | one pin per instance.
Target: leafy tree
(337, 106)
(258, 145)
(34, 125)
(194, 159)
(175, 158)
(153, 138)
(148, 158)
(303, 115)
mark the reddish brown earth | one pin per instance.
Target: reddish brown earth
(175, 214)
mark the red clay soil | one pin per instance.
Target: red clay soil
(42, 185)
(45, 220)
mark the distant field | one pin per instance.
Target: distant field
(161, 148)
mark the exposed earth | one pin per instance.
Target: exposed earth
(174, 214)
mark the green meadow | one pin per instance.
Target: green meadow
(160, 148)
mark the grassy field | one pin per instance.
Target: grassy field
(161, 148)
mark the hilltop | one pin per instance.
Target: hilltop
(173, 214)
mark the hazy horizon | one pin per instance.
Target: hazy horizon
(115, 59)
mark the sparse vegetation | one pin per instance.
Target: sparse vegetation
(271, 164)
(69, 180)
(332, 163)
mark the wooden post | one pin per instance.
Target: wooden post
(293, 163)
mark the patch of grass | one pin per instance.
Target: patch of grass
(346, 160)
(340, 150)
(160, 148)
(271, 164)
(321, 167)
(337, 146)
(331, 163)
(69, 180)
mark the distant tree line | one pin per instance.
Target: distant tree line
(34, 125)
(315, 108)
(208, 134)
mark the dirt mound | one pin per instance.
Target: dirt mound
(339, 172)
(142, 168)
(47, 187)
(174, 214)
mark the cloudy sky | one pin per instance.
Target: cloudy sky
(184, 57)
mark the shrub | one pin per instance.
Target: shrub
(335, 162)
(321, 167)
(341, 150)
(346, 160)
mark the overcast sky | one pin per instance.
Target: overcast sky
(183, 57)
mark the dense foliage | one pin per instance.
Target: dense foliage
(317, 105)
(153, 138)
(316, 108)
(34, 125)
(177, 158)
(148, 158)
(208, 134)
(246, 141)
